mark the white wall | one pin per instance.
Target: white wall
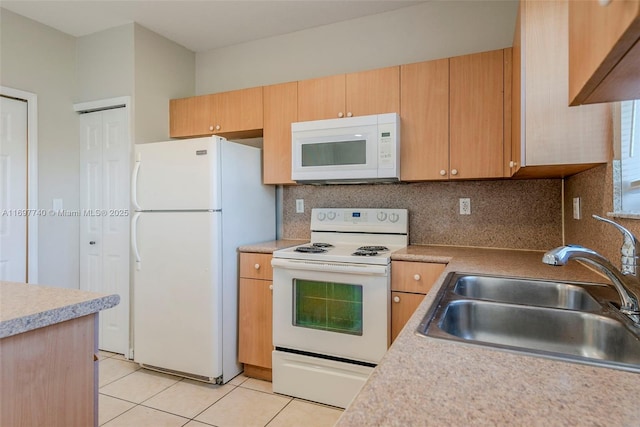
(163, 70)
(429, 30)
(105, 62)
(41, 60)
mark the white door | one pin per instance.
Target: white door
(13, 190)
(104, 218)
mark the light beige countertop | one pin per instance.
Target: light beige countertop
(271, 246)
(26, 307)
(428, 382)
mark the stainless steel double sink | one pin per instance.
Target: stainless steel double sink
(576, 322)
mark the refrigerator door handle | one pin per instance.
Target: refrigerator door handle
(134, 186)
(134, 238)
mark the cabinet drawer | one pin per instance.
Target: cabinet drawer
(416, 277)
(256, 266)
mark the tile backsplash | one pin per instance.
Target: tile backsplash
(518, 214)
(595, 189)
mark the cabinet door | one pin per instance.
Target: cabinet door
(190, 116)
(238, 110)
(476, 115)
(322, 98)
(424, 151)
(373, 92)
(280, 110)
(600, 35)
(403, 305)
(255, 322)
(554, 133)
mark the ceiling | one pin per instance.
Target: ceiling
(199, 25)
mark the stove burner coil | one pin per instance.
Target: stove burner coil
(310, 250)
(360, 252)
(373, 248)
(322, 245)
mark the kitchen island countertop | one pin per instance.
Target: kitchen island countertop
(424, 381)
(26, 307)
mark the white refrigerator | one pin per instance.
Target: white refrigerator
(195, 201)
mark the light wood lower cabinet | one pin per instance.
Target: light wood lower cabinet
(255, 315)
(49, 376)
(410, 282)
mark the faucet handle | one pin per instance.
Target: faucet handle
(630, 247)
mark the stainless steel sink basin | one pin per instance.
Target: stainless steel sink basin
(523, 291)
(574, 322)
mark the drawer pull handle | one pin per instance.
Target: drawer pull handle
(416, 277)
(396, 299)
(257, 266)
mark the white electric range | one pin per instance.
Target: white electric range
(331, 303)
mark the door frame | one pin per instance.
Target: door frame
(105, 104)
(32, 176)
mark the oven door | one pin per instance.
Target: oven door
(331, 309)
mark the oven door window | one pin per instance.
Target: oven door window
(328, 306)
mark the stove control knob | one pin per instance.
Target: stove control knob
(331, 216)
(382, 216)
(321, 216)
(394, 217)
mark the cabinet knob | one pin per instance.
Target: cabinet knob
(513, 164)
(341, 114)
(349, 114)
(210, 127)
(443, 172)
(257, 266)
(454, 171)
(604, 3)
(217, 127)
(416, 277)
(270, 287)
(396, 299)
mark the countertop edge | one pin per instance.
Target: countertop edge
(50, 317)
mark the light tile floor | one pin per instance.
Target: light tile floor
(134, 397)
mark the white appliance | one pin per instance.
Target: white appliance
(347, 150)
(195, 202)
(331, 303)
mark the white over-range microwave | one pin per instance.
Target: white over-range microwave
(346, 151)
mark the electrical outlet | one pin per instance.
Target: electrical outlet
(465, 206)
(576, 208)
(299, 205)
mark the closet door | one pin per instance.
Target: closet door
(104, 218)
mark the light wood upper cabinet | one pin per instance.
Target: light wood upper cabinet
(190, 116)
(604, 51)
(280, 110)
(424, 94)
(347, 95)
(550, 139)
(232, 114)
(476, 112)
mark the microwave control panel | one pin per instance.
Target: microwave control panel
(387, 134)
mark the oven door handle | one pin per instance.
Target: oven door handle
(332, 267)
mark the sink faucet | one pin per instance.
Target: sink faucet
(625, 281)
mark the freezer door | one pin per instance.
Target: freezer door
(177, 175)
(177, 292)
